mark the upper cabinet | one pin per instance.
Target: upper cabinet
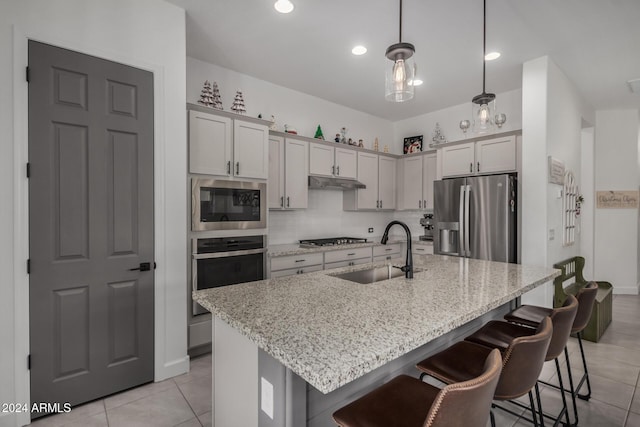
(224, 146)
(416, 180)
(481, 157)
(288, 171)
(326, 160)
(378, 173)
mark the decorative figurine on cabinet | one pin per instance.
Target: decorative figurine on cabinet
(360, 143)
(337, 138)
(343, 132)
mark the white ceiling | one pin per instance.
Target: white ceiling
(595, 42)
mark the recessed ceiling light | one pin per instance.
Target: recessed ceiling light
(416, 82)
(491, 56)
(359, 50)
(283, 6)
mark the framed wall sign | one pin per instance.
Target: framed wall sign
(556, 171)
(617, 199)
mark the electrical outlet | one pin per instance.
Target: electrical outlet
(266, 397)
(552, 234)
(370, 229)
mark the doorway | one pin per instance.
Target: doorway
(91, 226)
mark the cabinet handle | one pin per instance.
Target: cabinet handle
(282, 201)
(352, 263)
(388, 249)
(470, 167)
(420, 249)
(229, 167)
(377, 203)
(351, 254)
(299, 272)
(300, 260)
(333, 170)
(237, 168)
(338, 170)
(288, 201)
(420, 204)
(424, 204)
(381, 204)
(478, 170)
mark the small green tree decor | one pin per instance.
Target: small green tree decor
(319, 134)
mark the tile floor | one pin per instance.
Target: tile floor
(614, 367)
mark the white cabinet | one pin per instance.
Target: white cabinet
(418, 174)
(219, 145)
(288, 171)
(387, 252)
(422, 248)
(326, 160)
(295, 264)
(486, 156)
(378, 173)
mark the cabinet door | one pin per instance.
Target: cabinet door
(368, 175)
(296, 172)
(209, 144)
(276, 172)
(250, 145)
(458, 160)
(346, 163)
(321, 160)
(429, 176)
(386, 182)
(496, 155)
(412, 182)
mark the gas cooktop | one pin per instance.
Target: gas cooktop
(333, 241)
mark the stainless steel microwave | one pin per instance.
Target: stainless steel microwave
(218, 204)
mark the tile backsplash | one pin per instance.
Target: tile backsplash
(325, 218)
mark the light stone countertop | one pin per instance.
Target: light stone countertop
(330, 331)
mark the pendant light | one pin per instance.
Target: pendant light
(399, 78)
(483, 105)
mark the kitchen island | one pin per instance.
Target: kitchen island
(290, 351)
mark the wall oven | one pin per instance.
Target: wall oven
(222, 261)
(218, 204)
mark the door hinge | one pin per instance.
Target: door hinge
(29, 362)
(28, 170)
(27, 75)
(29, 266)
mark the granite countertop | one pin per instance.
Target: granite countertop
(295, 249)
(330, 331)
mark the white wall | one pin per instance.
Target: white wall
(147, 34)
(616, 241)
(303, 112)
(552, 116)
(449, 119)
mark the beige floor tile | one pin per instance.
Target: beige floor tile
(164, 409)
(206, 419)
(193, 422)
(81, 412)
(134, 394)
(635, 404)
(633, 420)
(198, 394)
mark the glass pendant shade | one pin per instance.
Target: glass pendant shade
(399, 76)
(483, 111)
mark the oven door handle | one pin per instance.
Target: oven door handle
(230, 253)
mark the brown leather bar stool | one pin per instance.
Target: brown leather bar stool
(497, 334)
(408, 402)
(522, 362)
(532, 315)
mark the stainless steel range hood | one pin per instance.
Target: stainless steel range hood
(330, 183)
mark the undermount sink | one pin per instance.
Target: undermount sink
(372, 275)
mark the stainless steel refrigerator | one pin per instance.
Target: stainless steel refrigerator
(475, 217)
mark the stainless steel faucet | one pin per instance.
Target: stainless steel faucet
(408, 267)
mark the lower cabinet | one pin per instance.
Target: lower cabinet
(295, 264)
(384, 253)
(422, 248)
(292, 271)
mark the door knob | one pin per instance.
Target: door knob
(144, 266)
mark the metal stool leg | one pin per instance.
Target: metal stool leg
(533, 409)
(564, 399)
(572, 390)
(539, 405)
(586, 372)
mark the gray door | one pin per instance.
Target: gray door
(90, 225)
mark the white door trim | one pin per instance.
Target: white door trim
(163, 368)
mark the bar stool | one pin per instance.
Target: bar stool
(497, 334)
(408, 402)
(531, 316)
(522, 363)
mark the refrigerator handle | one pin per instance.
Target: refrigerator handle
(467, 245)
(462, 231)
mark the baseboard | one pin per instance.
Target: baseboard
(173, 369)
(628, 290)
